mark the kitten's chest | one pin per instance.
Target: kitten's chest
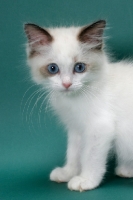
(73, 112)
(83, 111)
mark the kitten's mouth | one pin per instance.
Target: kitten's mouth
(67, 91)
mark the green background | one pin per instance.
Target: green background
(33, 143)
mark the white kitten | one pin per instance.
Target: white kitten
(93, 98)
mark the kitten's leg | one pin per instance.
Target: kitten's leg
(93, 163)
(72, 166)
(124, 149)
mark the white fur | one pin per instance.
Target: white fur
(97, 109)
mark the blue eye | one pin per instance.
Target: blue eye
(79, 67)
(53, 68)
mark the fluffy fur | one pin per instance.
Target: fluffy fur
(96, 108)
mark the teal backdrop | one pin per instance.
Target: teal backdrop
(32, 142)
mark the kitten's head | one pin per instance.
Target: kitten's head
(65, 59)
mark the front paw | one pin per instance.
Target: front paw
(61, 174)
(79, 183)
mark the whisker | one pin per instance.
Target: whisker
(45, 99)
(35, 104)
(25, 94)
(28, 102)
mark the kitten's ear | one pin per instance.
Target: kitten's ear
(37, 36)
(93, 33)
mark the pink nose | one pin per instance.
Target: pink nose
(66, 85)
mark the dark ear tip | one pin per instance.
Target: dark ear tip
(102, 21)
(26, 25)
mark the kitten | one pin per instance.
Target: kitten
(92, 96)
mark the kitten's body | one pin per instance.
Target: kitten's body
(96, 105)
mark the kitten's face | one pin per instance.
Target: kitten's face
(65, 59)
